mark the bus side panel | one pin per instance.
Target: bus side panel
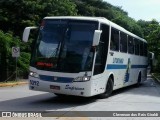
(116, 64)
(98, 83)
(138, 65)
(126, 68)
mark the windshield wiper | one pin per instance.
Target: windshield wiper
(55, 52)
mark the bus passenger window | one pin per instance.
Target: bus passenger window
(136, 46)
(114, 45)
(130, 45)
(141, 48)
(145, 50)
(123, 42)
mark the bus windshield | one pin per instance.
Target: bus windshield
(64, 46)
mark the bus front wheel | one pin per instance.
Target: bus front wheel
(109, 89)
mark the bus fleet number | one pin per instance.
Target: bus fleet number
(36, 83)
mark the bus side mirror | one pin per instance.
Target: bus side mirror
(26, 33)
(96, 37)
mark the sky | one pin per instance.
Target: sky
(139, 9)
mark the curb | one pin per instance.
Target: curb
(12, 84)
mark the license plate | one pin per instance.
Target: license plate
(54, 87)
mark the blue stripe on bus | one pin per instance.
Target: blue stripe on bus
(59, 79)
(139, 66)
(114, 66)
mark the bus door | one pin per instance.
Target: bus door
(101, 52)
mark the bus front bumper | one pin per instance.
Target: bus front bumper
(73, 88)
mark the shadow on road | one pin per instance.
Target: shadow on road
(44, 102)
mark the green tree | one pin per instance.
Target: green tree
(100, 8)
(151, 34)
(7, 62)
(17, 14)
(151, 31)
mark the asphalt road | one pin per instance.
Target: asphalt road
(144, 98)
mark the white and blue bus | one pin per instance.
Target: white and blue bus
(85, 56)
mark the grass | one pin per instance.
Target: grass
(13, 83)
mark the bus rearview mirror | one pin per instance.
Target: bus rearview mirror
(96, 37)
(26, 33)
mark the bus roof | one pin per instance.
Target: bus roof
(78, 18)
(99, 19)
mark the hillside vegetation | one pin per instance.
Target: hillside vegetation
(15, 15)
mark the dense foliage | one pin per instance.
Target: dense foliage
(151, 31)
(15, 15)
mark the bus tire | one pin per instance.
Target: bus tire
(139, 80)
(109, 89)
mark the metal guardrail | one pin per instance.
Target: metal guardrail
(156, 78)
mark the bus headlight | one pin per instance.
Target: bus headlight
(33, 74)
(81, 79)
